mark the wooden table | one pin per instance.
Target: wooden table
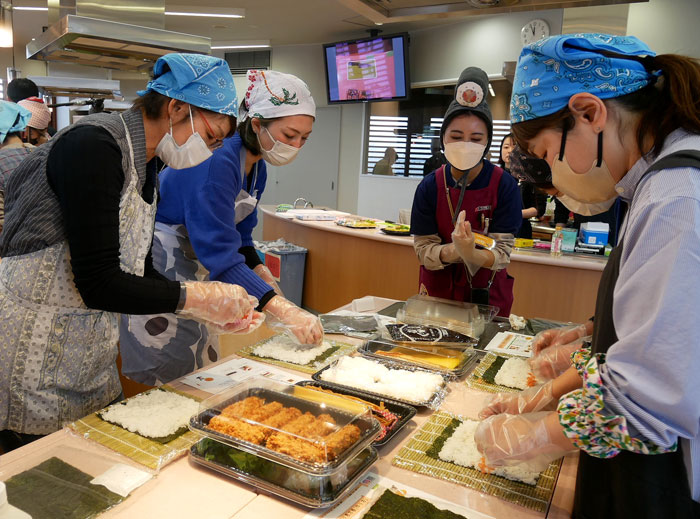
(185, 490)
(344, 263)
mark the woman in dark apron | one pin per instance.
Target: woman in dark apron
(613, 119)
(452, 267)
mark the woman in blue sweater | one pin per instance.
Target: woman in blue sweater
(204, 224)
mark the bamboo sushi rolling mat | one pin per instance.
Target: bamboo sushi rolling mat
(340, 350)
(476, 381)
(412, 456)
(150, 453)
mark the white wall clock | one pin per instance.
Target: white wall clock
(533, 31)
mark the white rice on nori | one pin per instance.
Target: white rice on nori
(285, 349)
(460, 449)
(360, 373)
(514, 373)
(155, 414)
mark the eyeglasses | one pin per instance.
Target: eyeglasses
(217, 142)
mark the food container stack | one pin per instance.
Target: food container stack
(271, 435)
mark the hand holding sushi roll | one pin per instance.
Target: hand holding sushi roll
(535, 438)
(559, 336)
(305, 326)
(538, 398)
(227, 307)
(464, 242)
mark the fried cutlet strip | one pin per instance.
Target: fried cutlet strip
(260, 414)
(279, 420)
(298, 425)
(238, 429)
(339, 441)
(243, 407)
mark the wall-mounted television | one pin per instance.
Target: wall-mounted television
(371, 69)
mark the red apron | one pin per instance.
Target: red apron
(452, 282)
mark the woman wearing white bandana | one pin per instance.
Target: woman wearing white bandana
(204, 226)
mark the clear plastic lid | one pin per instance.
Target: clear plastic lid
(467, 318)
(310, 431)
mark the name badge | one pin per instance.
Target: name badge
(482, 208)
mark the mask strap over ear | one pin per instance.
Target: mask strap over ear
(563, 142)
(191, 120)
(600, 150)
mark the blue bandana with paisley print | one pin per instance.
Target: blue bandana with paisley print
(552, 70)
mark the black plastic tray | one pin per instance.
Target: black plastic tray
(368, 428)
(322, 491)
(434, 401)
(403, 411)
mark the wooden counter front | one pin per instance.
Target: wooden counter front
(344, 264)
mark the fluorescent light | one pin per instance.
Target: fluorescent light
(19, 8)
(240, 44)
(217, 47)
(491, 90)
(211, 12)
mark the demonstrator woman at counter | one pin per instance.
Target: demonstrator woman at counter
(632, 403)
(490, 200)
(75, 246)
(204, 230)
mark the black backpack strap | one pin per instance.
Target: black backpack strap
(678, 159)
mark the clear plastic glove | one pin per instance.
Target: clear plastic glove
(463, 238)
(305, 326)
(507, 439)
(223, 306)
(533, 399)
(553, 361)
(264, 273)
(557, 336)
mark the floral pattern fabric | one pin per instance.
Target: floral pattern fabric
(587, 426)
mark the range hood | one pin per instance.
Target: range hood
(102, 41)
(72, 87)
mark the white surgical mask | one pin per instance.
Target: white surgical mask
(592, 187)
(585, 209)
(280, 153)
(464, 155)
(190, 154)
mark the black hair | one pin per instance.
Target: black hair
(245, 130)
(21, 88)
(151, 103)
(502, 162)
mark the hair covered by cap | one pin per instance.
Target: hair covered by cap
(41, 115)
(470, 98)
(271, 94)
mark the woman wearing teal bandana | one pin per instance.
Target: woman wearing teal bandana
(613, 119)
(79, 216)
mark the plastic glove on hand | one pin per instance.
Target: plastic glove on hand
(305, 326)
(557, 337)
(463, 238)
(553, 361)
(223, 305)
(535, 438)
(264, 273)
(538, 398)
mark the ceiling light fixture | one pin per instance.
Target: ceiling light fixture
(211, 12)
(27, 8)
(240, 45)
(493, 94)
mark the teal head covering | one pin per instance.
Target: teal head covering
(13, 118)
(197, 79)
(552, 70)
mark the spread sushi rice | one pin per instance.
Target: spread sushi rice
(460, 449)
(155, 414)
(367, 375)
(285, 349)
(516, 373)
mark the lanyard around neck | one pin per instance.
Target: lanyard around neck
(462, 190)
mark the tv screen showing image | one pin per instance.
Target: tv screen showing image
(375, 69)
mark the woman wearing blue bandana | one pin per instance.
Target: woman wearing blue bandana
(204, 231)
(613, 119)
(79, 215)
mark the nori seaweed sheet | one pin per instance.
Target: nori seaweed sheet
(394, 506)
(434, 450)
(323, 356)
(490, 374)
(56, 490)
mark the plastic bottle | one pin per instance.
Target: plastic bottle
(557, 239)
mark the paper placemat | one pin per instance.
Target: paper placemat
(149, 453)
(511, 343)
(412, 456)
(340, 350)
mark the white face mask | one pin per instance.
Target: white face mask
(280, 153)
(592, 187)
(583, 208)
(464, 155)
(190, 154)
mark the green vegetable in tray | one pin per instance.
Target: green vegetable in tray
(394, 506)
(56, 490)
(434, 450)
(490, 374)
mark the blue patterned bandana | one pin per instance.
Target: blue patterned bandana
(552, 70)
(197, 79)
(13, 118)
